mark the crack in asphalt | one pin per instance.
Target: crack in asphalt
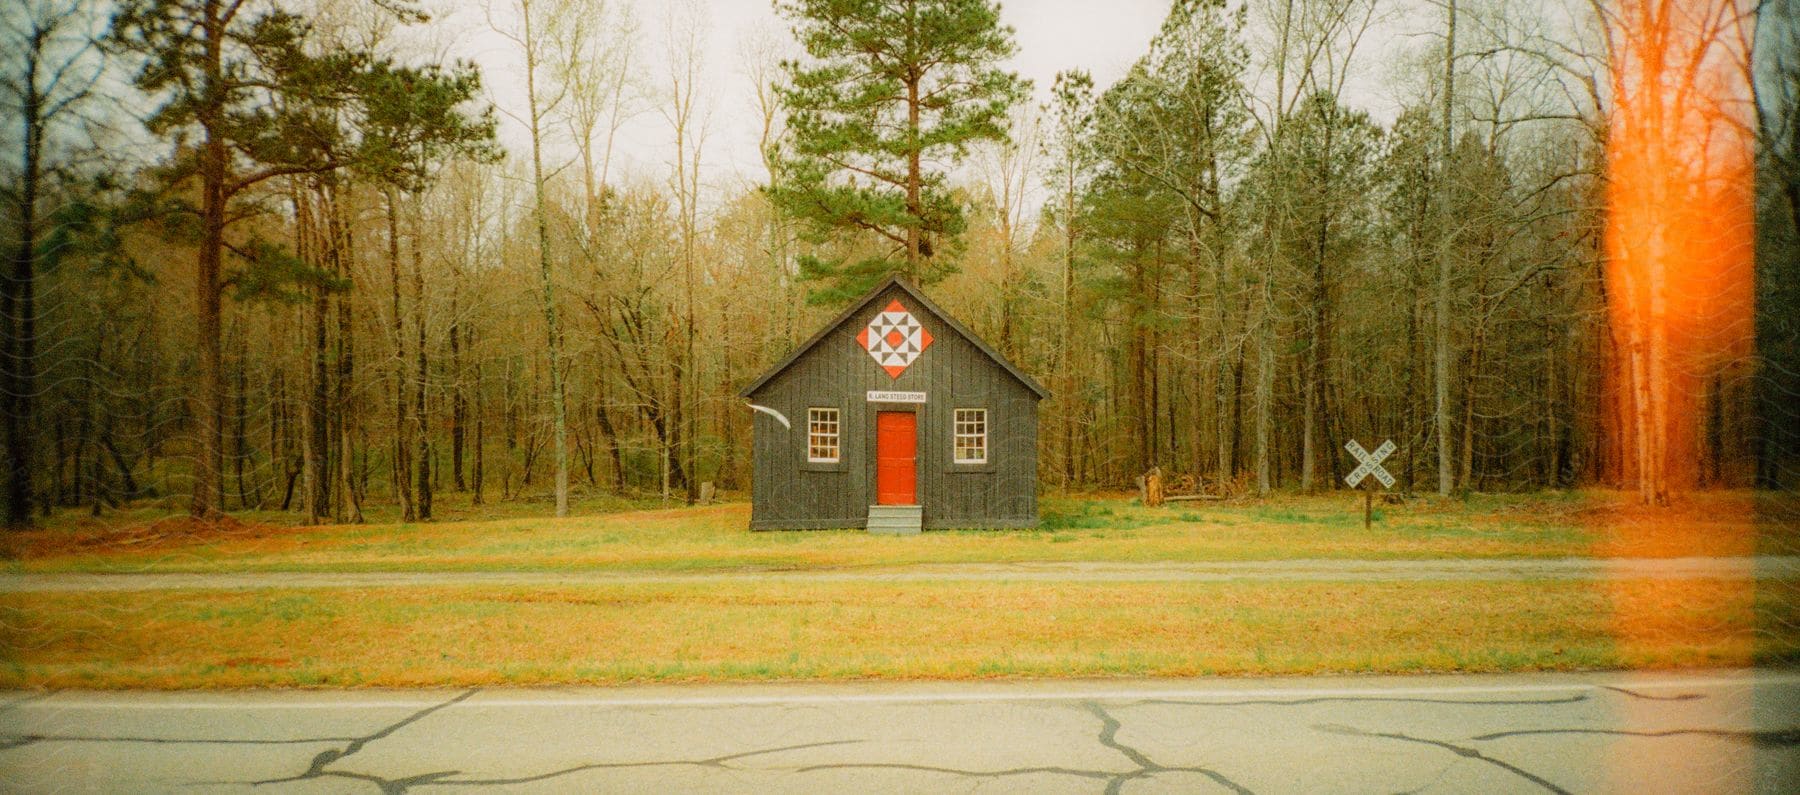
(1014, 771)
(1109, 737)
(1459, 750)
(715, 762)
(388, 786)
(322, 764)
(396, 786)
(1648, 697)
(1442, 772)
(399, 786)
(1115, 781)
(1777, 738)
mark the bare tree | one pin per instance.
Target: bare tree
(685, 30)
(1310, 49)
(763, 50)
(527, 32)
(1441, 346)
(596, 60)
(1009, 168)
(1070, 150)
(50, 72)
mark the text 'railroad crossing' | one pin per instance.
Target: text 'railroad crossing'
(1370, 463)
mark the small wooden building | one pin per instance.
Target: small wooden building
(894, 417)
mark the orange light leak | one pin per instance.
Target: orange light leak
(1680, 236)
(1679, 246)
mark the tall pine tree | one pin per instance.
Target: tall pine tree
(247, 97)
(894, 93)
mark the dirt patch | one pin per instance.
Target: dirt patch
(167, 533)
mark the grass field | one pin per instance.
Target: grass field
(781, 631)
(754, 629)
(1084, 528)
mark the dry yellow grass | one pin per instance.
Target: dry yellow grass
(1074, 529)
(800, 630)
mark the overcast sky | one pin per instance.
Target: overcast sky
(1102, 37)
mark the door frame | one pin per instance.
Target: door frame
(872, 463)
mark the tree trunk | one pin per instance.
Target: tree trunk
(475, 466)
(1471, 393)
(552, 329)
(459, 399)
(401, 467)
(1552, 395)
(347, 507)
(18, 315)
(608, 434)
(240, 444)
(689, 367)
(914, 182)
(1265, 390)
(1235, 457)
(420, 377)
(1138, 359)
(1067, 352)
(1446, 241)
(1320, 348)
(1412, 433)
(1713, 472)
(316, 455)
(208, 497)
(670, 426)
(1265, 366)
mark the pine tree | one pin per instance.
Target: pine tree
(245, 79)
(893, 93)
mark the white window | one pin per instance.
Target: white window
(822, 435)
(971, 436)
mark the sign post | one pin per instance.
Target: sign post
(1370, 464)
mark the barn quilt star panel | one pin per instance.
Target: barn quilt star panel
(894, 339)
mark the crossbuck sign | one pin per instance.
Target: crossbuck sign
(1370, 463)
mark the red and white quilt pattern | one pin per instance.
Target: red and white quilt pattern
(894, 338)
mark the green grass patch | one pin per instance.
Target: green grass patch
(742, 631)
(1073, 529)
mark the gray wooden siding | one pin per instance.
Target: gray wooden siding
(790, 493)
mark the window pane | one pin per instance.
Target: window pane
(822, 434)
(969, 435)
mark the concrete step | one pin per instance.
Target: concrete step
(896, 519)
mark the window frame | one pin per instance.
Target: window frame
(814, 432)
(981, 437)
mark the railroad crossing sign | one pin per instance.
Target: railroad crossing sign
(1370, 463)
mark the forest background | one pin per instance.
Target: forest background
(302, 256)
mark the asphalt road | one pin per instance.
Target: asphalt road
(1768, 567)
(1721, 731)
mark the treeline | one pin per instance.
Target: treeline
(328, 287)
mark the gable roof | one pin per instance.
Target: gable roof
(856, 308)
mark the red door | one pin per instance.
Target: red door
(896, 458)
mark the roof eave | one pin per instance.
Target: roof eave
(918, 295)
